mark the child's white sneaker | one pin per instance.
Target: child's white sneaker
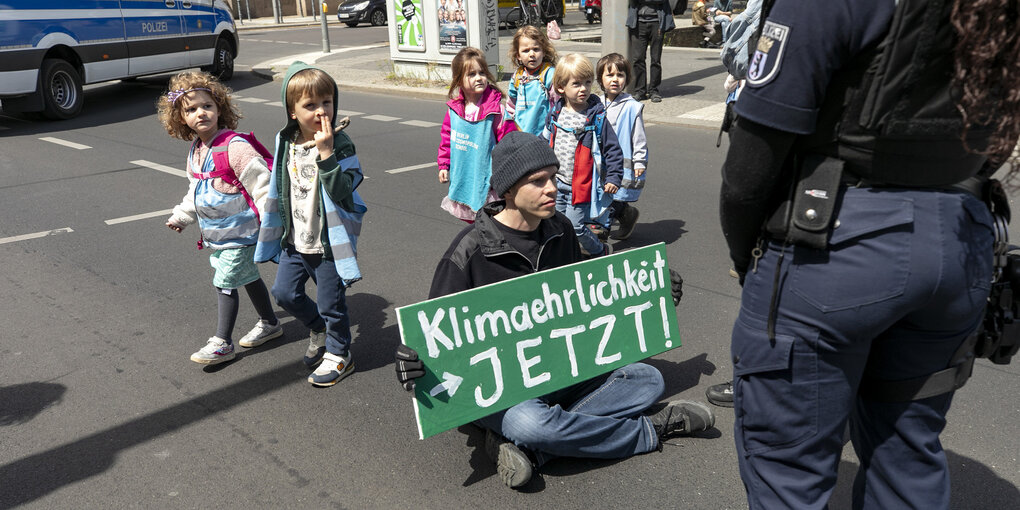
(216, 351)
(262, 332)
(332, 370)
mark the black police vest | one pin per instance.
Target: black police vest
(891, 115)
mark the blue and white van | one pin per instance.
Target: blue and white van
(49, 49)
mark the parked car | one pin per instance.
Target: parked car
(49, 51)
(353, 12)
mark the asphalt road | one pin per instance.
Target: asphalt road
(100, 407)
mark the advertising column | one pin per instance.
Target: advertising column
(426, 34)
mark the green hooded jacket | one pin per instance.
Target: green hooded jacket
(339, 185)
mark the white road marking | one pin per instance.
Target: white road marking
(420, 123)
(275, 103)
(14, 239)
(65, 143)
(159, 167)
(251, 99)
(348, 113)
(382, 118)
(409, 168)
(144, 216)
(714, 113)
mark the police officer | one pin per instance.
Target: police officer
(851, 212)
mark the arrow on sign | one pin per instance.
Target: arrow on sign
(450, 384)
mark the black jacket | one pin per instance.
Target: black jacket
(480, 255)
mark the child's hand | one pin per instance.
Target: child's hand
(444, 176)
(638, 172)
(324, 138)
(174, 227)
(610, 188)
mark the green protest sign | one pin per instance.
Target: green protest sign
(489, 348)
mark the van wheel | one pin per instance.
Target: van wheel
(223, 63)
(378, 18)
(60, 89)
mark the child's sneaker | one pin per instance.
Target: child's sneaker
(316, 348)
(262, 332)
(215, 352)
(628, 219)
(332, 370)
(600, 232)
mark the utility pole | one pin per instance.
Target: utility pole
(277, 16)
(615, 38)
(325, 29)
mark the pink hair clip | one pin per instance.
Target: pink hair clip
(173, 95)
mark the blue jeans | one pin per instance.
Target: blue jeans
(598, 418)
(580, 216)
(903, 282)
(330, 312)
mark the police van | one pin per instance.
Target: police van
(49, 49)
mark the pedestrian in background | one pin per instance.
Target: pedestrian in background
(475, 116)
(313, 220)
(198, 108)
(625, 115)
(591, 162)
(875, 261)
(531, 95)
(647, 23)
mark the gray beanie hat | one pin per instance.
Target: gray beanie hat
(516, 155)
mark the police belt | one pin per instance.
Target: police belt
(806, 217)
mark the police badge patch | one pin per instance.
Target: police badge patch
(767, 56)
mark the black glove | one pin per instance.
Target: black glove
(409, 367)
(676, 286)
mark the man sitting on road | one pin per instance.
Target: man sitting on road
(613, 415)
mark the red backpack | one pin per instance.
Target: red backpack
(221, 161)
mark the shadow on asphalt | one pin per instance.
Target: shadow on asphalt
(33, 477)
(20, 403)
(974, 485)
(112, 103)
(646, 234)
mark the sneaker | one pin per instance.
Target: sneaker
(682, 417)
(216, 351)
(640, 96)
(262, 332)
(628, 220)
(600, 232)
(332, 370)
(721, 394)
(512, 465)
(655, 97)
(316, 348)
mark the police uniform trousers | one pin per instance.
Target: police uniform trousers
(903, 283)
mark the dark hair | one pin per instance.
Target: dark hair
(615, 60)
(987, 72)
(459, 68)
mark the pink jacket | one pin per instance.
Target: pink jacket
(490, 104)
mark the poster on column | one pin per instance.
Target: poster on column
(452, 25)
(410, 25)
(489, 348)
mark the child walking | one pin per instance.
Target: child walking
(198, 108)
(591, 162)
(474, 123)
(314, 219)
(625, 115)
(531, 95)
